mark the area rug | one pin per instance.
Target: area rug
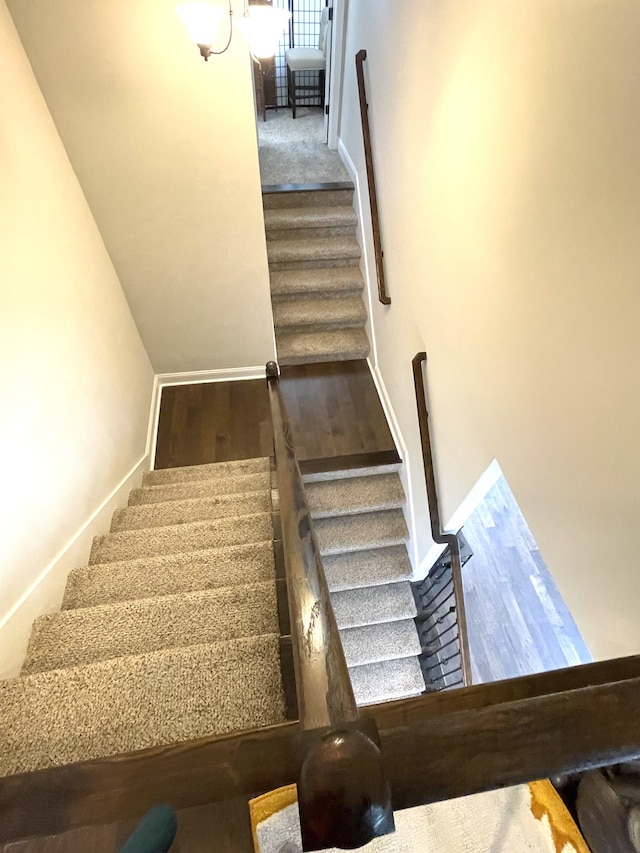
(524, 819)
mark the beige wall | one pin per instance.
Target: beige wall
(164, 146)
(506, 141)
(75, 380)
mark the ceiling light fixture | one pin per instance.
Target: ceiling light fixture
(261, 25)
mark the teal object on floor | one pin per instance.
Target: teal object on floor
(155, 832)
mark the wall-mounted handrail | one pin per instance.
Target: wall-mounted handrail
(440, 538)
(359, 808)
(383, 296)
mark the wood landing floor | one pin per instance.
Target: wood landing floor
(517, 621)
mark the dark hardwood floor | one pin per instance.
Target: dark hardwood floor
(517, 621)
(213, 422)
(333, 411)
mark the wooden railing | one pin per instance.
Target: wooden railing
(383, 296)
(440, 538)
(346, 745)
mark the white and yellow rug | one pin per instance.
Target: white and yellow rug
(524, 819)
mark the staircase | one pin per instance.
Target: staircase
(361, 533)
(169, 634)
(316, 283)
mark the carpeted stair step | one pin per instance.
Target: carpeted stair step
(193, 509)
(333, 345)
(367, 568)
(373, 604)
(384, 641)
(201, 489)
(319, 314)
(176, 538)
(213, 471)
(170, 574)
(91, 634)
(126, 704)
(324, 281)
(310, 252)
(341, 197)
(302, 222)
(354, 495)
(348, 473)
(387, 680)
(359, 532)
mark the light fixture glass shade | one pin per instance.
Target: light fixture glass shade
(262, 27)
(201, 20)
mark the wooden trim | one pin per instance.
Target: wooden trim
(449, 539)
(507, 742)
(383, 296)
(353, 460)
(434, 747)
(325, 695)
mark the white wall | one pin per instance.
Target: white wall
(506, 139)
(75, 380)
(164, 146)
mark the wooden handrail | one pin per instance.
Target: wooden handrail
(440, 538)
(360, 807)
(325, 694)
(383, 296)
(435, 746)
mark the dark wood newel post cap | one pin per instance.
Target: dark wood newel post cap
(272, 369)
(343, 796)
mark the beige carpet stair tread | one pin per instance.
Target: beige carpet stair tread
(169, 574)
(133, 703)
(354, 495)
(385, 641)
(373, 604)
(359, 532)
(192, 536)
(309, 249)
(332, 345)
(310, 313)
(87, 635)
(367, 568)
(286, 218)
(206, 472)
(192, 509)
(342, 196)
(222, 486)
(327, 281)
(387, 681)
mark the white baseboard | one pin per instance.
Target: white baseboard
(45, 593)
(476, 495)
(365, 245)
(405, 472)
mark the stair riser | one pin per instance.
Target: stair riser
(80, 637)
(322, 327)
(315, 264)
(273, 235)
(199, 489)
(349, 292)
(183, 512)
(347, 355)
(148, 578)
(220, 471)
(308, 198)
(129, 545)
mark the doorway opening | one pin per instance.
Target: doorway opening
(295, 150)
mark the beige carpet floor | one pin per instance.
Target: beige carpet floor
(293, 151)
